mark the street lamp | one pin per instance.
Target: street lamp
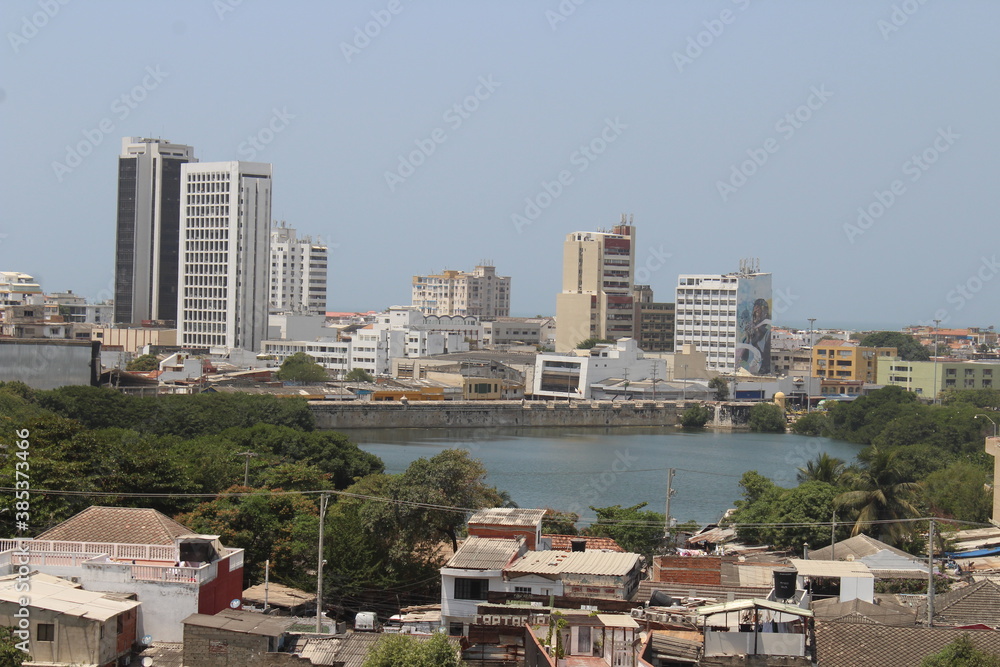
(991, 421)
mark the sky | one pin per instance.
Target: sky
(850, 145)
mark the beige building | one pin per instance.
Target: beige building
(66, 624)
(597, 298)
(481, 294)
(133, 339)
(843, 360)
(993, 449)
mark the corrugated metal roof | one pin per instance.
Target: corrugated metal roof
(485, 553)
(740, 605)
(575, 562)
(617, 621)
(66, 599)
(831, 568)
(508, 516)
(246, 622)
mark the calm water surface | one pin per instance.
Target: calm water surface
(572, 469)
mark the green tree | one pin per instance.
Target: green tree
(765, 504)
(408, 651)
(300, 367)
(559, 523)
(767, 418)
(589, 343)
(961, 653)
(880, 493)
(696, 416)
(959, 491)
(721, 388)
(358, 375)
(268, 525)
(824, 468)
(10, 654)
(908, 347)
(145, 362)
(980, 398)
(634, 529)
(813, 423)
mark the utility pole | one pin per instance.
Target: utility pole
(653, 377)
(812, 321)
(684, 386)
(670, 492)
(246, 466)
(930, 576)
(833, 537)
(319, 566)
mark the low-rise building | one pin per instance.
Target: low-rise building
(571, 375)
(67, 625)
(846, 360)
(927, 379)
(172, 571)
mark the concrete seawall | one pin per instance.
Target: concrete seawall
(473, 414)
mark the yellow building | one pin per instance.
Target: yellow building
(845, 360)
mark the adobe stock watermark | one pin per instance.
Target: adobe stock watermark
(656, 259)
(363, 35)
(562, 13)
(786, 126)
(223, 7)
(31, 25)
(581, 158)
(597, 485)
(704, 39)
(455, 116)
(782, 300)
(121, 108)
(898, 17)
(258, 141)
(797, 458)
(966, 291)
(914, 167)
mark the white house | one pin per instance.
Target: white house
(571, 375)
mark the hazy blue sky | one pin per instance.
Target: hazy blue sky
(829, 101)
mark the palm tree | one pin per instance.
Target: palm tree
(880, 493)
(824, 468)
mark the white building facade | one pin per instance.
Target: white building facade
(298, 272)
(222, 303)
(481, 293)
(728, 317)
(572, 375)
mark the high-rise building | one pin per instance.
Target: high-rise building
(481, 294)
(597, 299)
(149, 210)
(728, 317)
(654, 321)
(225, 236)
(298, 272)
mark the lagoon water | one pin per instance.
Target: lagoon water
(574, 468)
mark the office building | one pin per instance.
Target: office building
(728, 317)
(846, 360)
(149, 213)
(225, 231)
(298, 273)
(597, 299)
(481, 294)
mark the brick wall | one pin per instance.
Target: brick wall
(699, 570)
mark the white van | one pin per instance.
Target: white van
(366, 621)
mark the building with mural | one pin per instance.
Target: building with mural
(728, 317)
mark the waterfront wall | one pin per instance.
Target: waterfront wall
(472, 414)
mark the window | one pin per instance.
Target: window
(523, 589)
(471, 589)
(45, 632)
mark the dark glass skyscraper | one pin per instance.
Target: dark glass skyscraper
(148, 236)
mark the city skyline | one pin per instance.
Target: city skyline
(849, 146)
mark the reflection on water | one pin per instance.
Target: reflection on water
(573, 469)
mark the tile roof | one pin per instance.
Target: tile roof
(485, 553)
(575, 562)
(976, 603)
(563, 543)
(854, 644)
(121, 525)
(508, 516)
(860, 611)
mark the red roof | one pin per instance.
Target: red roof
(562, 543)
(122, 525)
